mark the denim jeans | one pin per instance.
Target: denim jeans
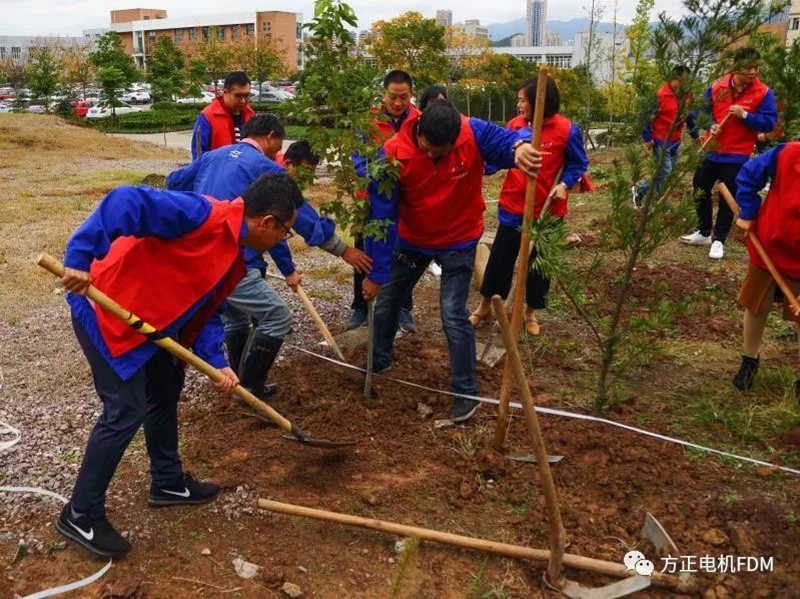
(407, 268)
(670, 159)
(255, 299)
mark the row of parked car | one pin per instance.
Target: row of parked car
(90, 107)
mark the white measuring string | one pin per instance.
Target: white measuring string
(65, 588)
(554, 412)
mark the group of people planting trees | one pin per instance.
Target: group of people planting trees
(190, 259)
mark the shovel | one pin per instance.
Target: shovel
(176, 349)
(326, 333)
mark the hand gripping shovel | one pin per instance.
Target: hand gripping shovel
(98, 297)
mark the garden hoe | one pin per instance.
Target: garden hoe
(176, 349)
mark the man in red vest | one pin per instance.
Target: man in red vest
(436, 212)
(221, 122)
(398, 88)
(752, 107)
(776, 223)
(171, 258)
(658, 128)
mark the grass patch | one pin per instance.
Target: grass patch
(324, 295)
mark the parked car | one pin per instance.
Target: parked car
(103, 110)
(205, 98)
(80, 108)
(136, 97)
(36, 108)
(5, 108)
(6, 93)
(270, 98)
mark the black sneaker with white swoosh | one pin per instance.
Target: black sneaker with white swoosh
(98, 536)
(188, 492)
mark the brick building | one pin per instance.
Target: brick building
(140, 27)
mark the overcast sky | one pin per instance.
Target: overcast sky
(70, 17)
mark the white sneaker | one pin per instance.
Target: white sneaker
(696, 239)
(717, 251)
(435, 269)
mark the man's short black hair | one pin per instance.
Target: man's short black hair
(398, 76)
(299, 152)
(746, 57)
(552, 99)
(679, 70)
(440, 124)
(262, 124)
(239, 78)
(272, 194)
(431, 93)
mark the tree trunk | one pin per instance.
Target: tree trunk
(469, 110)
(490, 108)
(504, 109)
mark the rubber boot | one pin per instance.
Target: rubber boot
(259, 356)
(743, 380)
(234, 346)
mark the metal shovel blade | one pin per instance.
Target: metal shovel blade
(299, 436)
(620, 588)
(655, 533)
(519, 456)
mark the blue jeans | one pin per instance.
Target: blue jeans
(670, 160)
(254, 298)
(407, 268)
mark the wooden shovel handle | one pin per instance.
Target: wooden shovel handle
(176, 349)
(725, 193)
(711, 137)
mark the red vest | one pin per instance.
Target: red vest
(222, 130)
(280, 160)
(778, 222)
(736, 137)
(159, 280)
(555, 133)
(441, 202)
(667, 112)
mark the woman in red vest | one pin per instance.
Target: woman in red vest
(562, 146)
(776, 223)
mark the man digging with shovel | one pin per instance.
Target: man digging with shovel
(224, 174)
(171, 258)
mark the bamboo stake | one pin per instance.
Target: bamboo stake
(779, 280)
(580, 562)
(522, 263)
(370, 347)
(558, 537)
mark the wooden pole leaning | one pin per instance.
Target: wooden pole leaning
(617, 570)
(558, 537)
(522, 263)
(176, 349)
(725, 194)
(710, 138)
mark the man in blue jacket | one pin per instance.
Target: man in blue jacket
(223, 174)
(436, 212)
(170, 258)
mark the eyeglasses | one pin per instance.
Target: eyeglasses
(241, 96)
(289, 234)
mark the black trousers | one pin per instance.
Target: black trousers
(149, 397)
(359, 303)
(703, 182)
(500, 270)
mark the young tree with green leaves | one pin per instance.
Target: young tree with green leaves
(43, 78)
(78, 68)
(781, 68)
(335, 100)
(624, 333)
(215, 54)
(110, 53)
(412, 43)
(165, 69)
(113, 81)
(260, 58)
(196, 76)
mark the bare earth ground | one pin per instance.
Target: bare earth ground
(403, 469)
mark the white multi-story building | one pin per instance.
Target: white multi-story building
(473, 28)
(561, 57)
(537, 19)
(17, 47)
(552, 38)
(793, 32)
(444, 18)
(599, 57)
(517, 40)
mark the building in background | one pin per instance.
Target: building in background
(561, 57)
(794, 23)
(90, 36)
(537, 19)
(444, 18)
(17, 47)
(552, 38)
(517, 40)
(605, 46)
(140, 27)
(473, 28)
